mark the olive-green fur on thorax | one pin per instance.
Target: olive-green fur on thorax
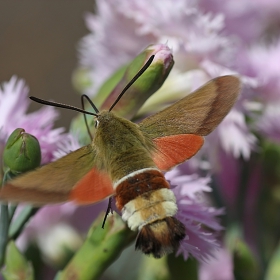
(121, 146)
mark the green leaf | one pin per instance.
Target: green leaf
(17, 267)
(153, 269)
(20, 220)
(181, 269)
(273, 271)
(245, 264)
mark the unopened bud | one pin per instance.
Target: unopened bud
(133, 99)
(149, 82)
(22, 152)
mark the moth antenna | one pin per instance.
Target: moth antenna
(85, 118)
(109, 209)
(60, 105)
(133, 80)
(90, 102)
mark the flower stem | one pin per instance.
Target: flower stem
(4, 224)
(4, 228)
(19, 223)
(101, 248)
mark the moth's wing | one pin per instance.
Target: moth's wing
(72, 177)
(198, 113)
(189, 120)
(175, 149)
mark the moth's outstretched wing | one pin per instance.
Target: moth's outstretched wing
(197, 115)
(72, 177)
(175, 149)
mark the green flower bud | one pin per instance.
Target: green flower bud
(133, 99)
(22, 152)
(245, 263)
(273, 270)
(149, 82)
(16, 266)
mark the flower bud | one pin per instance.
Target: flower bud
(22, 152)
(149, 82)
(16, 265)
(245, 262)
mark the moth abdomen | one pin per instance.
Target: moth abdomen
(148, 205)
(138, 183)
(160, 237)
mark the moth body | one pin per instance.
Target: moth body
(142, 193)
(127, 160)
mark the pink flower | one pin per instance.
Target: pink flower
(242, 18)
(13, 106)
(269, 124)
(219, 267)
(69, 144)
(195, 215)
(201, 50)
(234, 135)
(121, 29)
(263, 61)
(203, 43)
(107, 46)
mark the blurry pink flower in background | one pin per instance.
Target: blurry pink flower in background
(54, 144)
(197, 38)
(68, 144)
(263, 61)
(235, 137)
(192, 35)
(14, 103)
(269, 122)
(195, 215)
(208, 39)
(218, 268)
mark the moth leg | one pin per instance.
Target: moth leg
(109, 210)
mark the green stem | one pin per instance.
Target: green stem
(19, 223)
(4, 225)
(101, 248)
(4, 228)
(12, 210)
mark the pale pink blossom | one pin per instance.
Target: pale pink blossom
(219, 267)
(122, 28)
(263, 61)
(235, 136)
(269, 124)
(14, 103)
(195, 215)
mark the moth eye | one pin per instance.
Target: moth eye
(96, 123)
